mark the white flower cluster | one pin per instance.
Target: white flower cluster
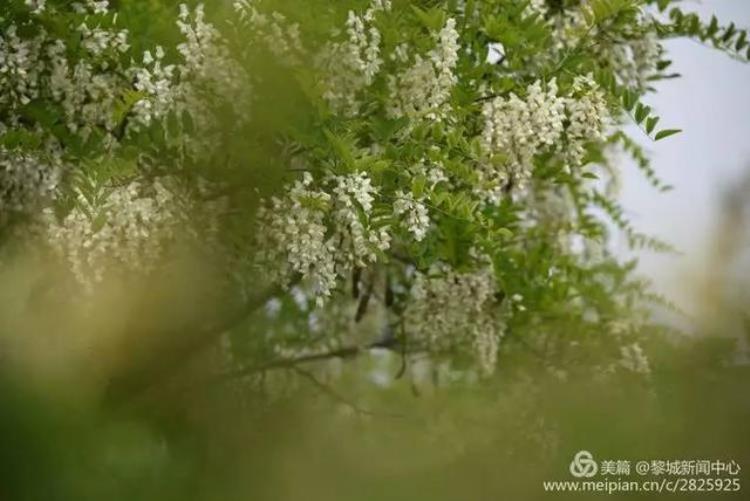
(424, 89)
(587, 114)
(321, 234)
(208, 70)
(86, 93)
(206, 56)
(635, 61)
(569, 27)
(294, 237)
(361, 243)
(416, 217)
(207, 64)
(89, 88)
(156, 82)
(127, 227)
(96, 7)
(20, 68)
(118, 227)
(522, 128)
(433, 172)
(36, 6)
(448, 308)
(97, 40)
(633, 57)
(538, 7)
(351, 65)
(38, 67)
(634, 359)
(552, 209)
(25, 180)
(280, 36)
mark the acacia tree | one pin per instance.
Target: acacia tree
(431, 177)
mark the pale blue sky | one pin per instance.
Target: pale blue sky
(711, 103)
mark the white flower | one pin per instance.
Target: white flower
(98, 40)
(587, 114)
(424, 89)
(280, 36)
(127, 227)
(522, 128)
(448, 309)
(634, 359)
(36, 6)
(321, 233)
(633, 57)
(207, 59)
(207, 64)
(360, 242)
(351, 65)
(538, 7)
(157, 82)
(21, 68)
(98, 7)
(636, 60)
(25, 180)
(415, 215)
(273, 307)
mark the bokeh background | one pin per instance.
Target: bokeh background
(711, 103)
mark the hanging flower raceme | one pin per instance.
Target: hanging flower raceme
(423, 90)
(449, 309)
(521, 128)
(26, 180)
(127, 227)
(588, 114)
(321, 234)
(351, 65)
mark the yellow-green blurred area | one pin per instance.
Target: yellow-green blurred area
(223, 442)
(294, 434)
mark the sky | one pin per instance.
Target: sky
(711, 103)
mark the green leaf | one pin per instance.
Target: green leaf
(741, 41)
(730, 31)
(432, 19)
(187, 123)
(125, 104)
(418, 185)
(666, 133)
(651, 124)
(641, 112)
(628, 100)
(44, 113)
(713, 27)
(663, 65)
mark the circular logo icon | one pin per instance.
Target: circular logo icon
(583, 465)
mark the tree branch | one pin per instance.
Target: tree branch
(292, 363)
(169, 351)
(341, 399)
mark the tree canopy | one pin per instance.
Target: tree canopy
(434, 178)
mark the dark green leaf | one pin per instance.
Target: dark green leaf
(666, 133)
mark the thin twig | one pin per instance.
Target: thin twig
(291, 363)
(341, 399)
